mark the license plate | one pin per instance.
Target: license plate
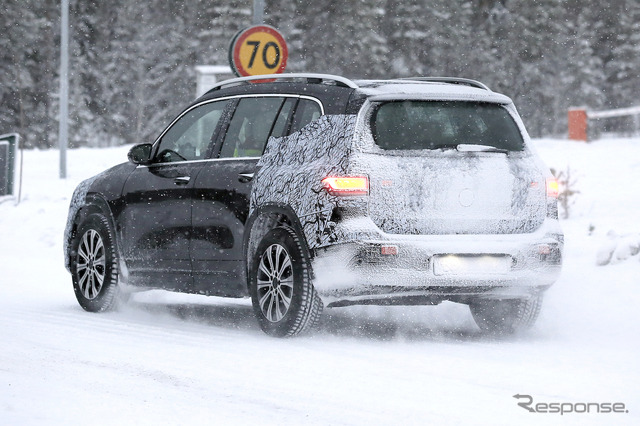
(452, 264)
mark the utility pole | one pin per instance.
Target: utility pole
(258, 12)
(64, 88)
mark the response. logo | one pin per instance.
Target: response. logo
(563, 408)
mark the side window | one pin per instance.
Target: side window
(306, 112)
(189, 137)
(283, 121)
(250, 127)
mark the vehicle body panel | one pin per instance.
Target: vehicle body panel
(220, 210)
(155, 223)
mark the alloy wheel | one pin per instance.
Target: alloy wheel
(275, 282)
(91, 264)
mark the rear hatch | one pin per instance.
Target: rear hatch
(450, 167)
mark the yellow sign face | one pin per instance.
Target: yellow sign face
(258, 50)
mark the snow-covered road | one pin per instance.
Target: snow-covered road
(179, 359)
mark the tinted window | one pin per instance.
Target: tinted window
(190, 136)
(306, 112)
(435, 124)
(250, 127)
(280, 128)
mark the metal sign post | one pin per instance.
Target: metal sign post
(64, 88)
(258, 12)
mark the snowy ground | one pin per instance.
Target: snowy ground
(177, 359)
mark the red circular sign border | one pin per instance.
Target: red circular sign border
(240, 38)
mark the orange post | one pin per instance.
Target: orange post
(578, 124)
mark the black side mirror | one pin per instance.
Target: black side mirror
(140, 154)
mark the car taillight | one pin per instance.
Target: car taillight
(351, 185)
(552, 188)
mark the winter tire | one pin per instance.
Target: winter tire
(94, 268)
(506, 316)
(284, 300)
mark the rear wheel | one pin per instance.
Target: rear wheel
(284, 299)
(506, 316)
(94, 268)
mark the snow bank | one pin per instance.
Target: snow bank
(607, 207)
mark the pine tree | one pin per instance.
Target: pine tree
(408, 34)
(622, 68)
(527, 39)
(28, 68)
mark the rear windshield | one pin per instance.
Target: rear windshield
(401, 125)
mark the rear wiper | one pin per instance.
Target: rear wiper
(468, 147)
(444, 147)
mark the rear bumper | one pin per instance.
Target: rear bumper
(428, 269)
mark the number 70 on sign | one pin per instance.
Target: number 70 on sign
(258, 50)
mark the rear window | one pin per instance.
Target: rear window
(403, 125)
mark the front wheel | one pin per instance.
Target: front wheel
(506, 316)
(284, 299)
(94, 267)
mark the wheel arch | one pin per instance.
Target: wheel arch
(94, 203)
(264, 218)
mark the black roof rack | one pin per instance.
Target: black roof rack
(450, 80)
(309, 77)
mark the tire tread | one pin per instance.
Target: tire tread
(108, 297)
(506, 316)
(310, 306)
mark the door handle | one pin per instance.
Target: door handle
(245, 177)
(182, 180)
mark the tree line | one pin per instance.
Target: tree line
(132, 62)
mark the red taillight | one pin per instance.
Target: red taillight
(388, 250)
(552, 188)
(352, 185)
(544, 249)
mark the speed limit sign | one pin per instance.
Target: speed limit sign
(258, 50)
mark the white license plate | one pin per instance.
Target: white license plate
(452, 264)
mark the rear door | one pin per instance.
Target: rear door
(454, 167)
(223, 187)
(156, 217)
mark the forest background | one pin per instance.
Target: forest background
(132, 63)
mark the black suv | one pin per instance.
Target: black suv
(311, 190)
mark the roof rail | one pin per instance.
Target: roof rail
(450, 80)
(341, 81)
